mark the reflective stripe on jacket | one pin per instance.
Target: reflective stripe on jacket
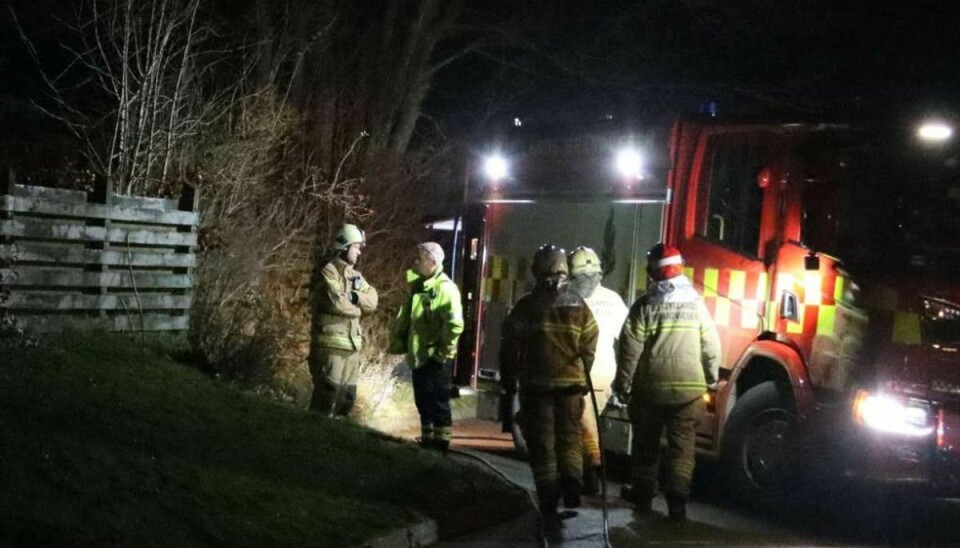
(430, 322)
(548, 342)
(336, 319)
(669, 346)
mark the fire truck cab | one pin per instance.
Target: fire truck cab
(828, 257)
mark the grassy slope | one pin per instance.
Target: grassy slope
(103, 444)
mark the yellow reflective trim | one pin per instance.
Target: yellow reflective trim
(811, 288)
(679, 323)
(748, 315)
(710, 278)
(797, 326)
(906, 328)
(721, 314)
(497, 267)
(738, 285)
(762, 287)
(838, 288)
(689, 272)
(826, 320)
(785, 281)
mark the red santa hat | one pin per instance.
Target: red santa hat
(664, 262)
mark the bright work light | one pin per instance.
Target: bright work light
(935, 132)
(495, 167)
(629, 163)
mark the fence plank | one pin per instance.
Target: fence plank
(37, 252)
(52, 277)
(36, 206)
(157, 204)
(116, 322)
(96, 259)
(71, 302)
(46, 230)
(58, 194)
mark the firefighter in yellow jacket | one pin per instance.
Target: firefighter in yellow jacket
(341, 296)
(548, 344)
(427, 330)
(669, 353)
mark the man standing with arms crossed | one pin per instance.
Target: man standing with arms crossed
(341, 296)
(669, 353)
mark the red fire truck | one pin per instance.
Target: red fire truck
(829, 257)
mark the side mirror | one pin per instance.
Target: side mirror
(811, 262)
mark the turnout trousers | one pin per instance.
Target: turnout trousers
(431, 392)
(334, 373)
(649, 421)
(550, 423)
(591, 433)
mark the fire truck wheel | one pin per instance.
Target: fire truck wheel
(760, 445)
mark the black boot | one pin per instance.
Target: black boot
(677, 507)
(641, 503)
(571, 491)
(591, 481)
(550, 521)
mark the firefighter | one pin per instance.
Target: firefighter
(669, 353)
(548, 343)
(341, 297)
(427, 330)
(610, 312)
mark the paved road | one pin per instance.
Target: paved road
(813, 518)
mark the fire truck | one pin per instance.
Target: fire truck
(828, 256)
(598, 184)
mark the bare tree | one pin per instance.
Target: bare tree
(132, 93)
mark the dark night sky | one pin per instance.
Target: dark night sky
(661, 57)
(653, 59)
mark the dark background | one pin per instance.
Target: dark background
(640, 61)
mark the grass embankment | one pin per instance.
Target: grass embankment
(104, 444)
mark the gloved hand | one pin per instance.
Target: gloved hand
(356, 283)
(438, 362)
(615, 402)
(354, 297)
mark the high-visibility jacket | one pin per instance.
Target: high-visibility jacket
(610, 312)
(336, 317)
(669, 346)
(430, 322)
(548, 342)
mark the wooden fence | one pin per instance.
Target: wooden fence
(96, 259)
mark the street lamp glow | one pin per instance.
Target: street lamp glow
(629, 163)
(935, 132)
(495, 167)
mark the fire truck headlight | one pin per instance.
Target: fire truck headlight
(629, 163)
(934, 132)
(495, 167)
(888, 414)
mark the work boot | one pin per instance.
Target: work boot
(676, 507)
(550, 520)
(591, 481)
(571, 492)
(641, 503)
